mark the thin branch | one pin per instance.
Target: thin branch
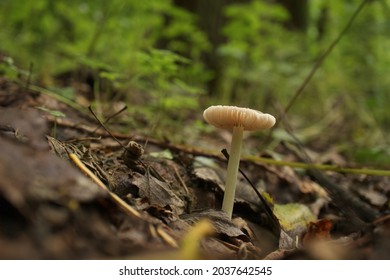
(317, 65)
(102, 125)
(122, 204)
(111, 117)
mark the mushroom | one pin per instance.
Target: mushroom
(237, 119)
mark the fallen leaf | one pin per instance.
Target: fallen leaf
(294, 218)
(221, 222)
(319, 230)
(157, 192)
(292, 215)
(209, 176)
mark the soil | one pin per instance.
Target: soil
(69, 190)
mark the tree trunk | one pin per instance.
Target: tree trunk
(211, 21)
(299, 12)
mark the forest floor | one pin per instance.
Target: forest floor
(69, 190)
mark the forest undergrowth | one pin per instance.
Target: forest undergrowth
(71, 189)
(105, 153)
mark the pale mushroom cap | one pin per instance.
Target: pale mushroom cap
(228, 117)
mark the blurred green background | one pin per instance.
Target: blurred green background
(173, 58)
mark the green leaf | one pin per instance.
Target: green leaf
(293, 216)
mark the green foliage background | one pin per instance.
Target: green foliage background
(153, 53)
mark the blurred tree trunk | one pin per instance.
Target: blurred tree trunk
(322, 22)
(211, 21)
(299, 12)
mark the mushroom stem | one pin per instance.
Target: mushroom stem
(232, 170)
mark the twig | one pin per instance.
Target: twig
(110, 117)
(122, 204)
(316, 66)
(323, 167)
(355, 210)
(321, 59)
(115, 114)
(180, 179)
(113, 196)
(211, 153)
(102, 125)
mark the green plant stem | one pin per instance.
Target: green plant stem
(232, 171)
(325, 167)
(255, 159)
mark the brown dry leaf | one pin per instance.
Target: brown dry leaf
(206, 185)
(208, 176)
(222, 223)
(228, 234)
(169, 170)
(157, 192)
(213, 248)
(319, 230)
(233, 238)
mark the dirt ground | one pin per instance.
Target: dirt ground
(68, 190)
